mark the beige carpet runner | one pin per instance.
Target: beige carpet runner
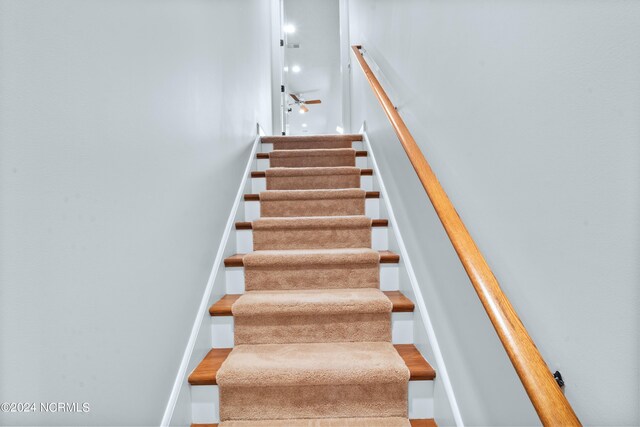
(286, 203)
(313, 330)
(313, 158)
(312, 269)
(303, 178)
(312, 315)
(293, 143)
(320, 232)
(324, 422)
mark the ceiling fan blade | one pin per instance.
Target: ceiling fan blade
(313, 101)
(303, 108)
(295, 98)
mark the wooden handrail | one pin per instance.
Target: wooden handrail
(545, 394)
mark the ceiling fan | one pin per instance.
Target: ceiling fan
(301, 102)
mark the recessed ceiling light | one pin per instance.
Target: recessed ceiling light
(295, 68)
(286, 69)
(339, 129)
(289, 29)
(304, 125)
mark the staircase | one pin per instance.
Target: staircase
(313, 330)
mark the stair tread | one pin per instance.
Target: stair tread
(328, 422)
(401, 304)
(386, 257)
(205, 373)
(313, 364)
(263, 174)
(317, 256)
(307, 302)
(222, 307)
(317, 223)
(414, 423)
(419, 368)
(256, 197)
(315, 194)
(359, 153)
(311, 138)
(248, 225)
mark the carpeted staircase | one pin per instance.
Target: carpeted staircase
(312, 332)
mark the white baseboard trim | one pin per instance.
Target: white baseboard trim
(419, 301)
(202, 310)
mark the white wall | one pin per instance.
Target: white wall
(529, 114)
(124, 129)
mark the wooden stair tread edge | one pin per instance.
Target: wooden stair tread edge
(265, 156)
(311, 138)
(401, 304)
(234, 261)
(222, 307)
(247, 225)
(419, 368)
(263, 174)
(386, 257)
(205, 372)
(256, 197)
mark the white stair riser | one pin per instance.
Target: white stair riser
(267, 148)
(205, 402)
(379, 240)
(421, 399)
(389, 278)
(259, 185)
(402, 328)
(252, 209)
(222, 330)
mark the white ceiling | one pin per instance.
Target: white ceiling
(317, 31)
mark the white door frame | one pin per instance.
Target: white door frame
(345, 65)
(278, 98)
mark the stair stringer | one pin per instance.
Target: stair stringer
(424, 336)
(199, 342)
